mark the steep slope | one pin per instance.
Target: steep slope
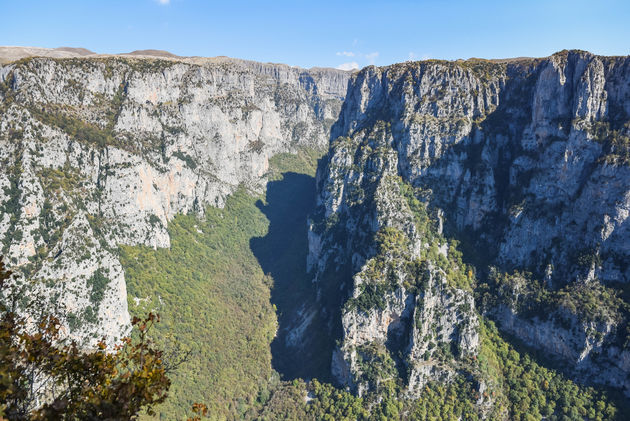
(527, 164)
(98, 153)
(408, 313)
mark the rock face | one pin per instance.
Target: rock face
(527, 163)
(528, 146)
(99, 152)
(410, 313)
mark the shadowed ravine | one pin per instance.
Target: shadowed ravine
(282, 255)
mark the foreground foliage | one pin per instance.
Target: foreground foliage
(43, 378)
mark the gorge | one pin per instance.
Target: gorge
(395, 231)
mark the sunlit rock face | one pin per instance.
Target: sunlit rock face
(99, 152)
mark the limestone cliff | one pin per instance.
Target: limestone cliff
(99, 152)
(527, 164)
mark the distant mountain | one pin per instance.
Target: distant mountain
(152, 53)
(79, 51)
(10, 53)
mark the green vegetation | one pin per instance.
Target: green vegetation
(214, 296)
(6, 91)
(529, 391)
(371, 296)
(67, 119)
(56, 180)
(378, 368)
(12, 206)
(147, 65)
(74, 127)
(618, 149)
(517, 388)
(486, 70)
(592, 301)
(189, 160)
(393, 256)
(379, 275)
(458, 274)
(288, 401)
(616, 143)
(392, 260)
(392, 241)
(451, 401)
(302, 162)
(214, 300)
(79, 385)
(98, 282)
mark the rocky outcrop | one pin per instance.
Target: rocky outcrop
(526, 162)
(409, 312)
(581, 326)
(586, 347)
(99, 152)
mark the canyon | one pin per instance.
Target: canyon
(406, 206)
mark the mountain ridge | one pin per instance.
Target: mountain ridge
(9, 54)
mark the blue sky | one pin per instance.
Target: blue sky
(322, 32)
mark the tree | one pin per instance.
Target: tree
(42, 378)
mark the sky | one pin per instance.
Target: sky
(322, 33)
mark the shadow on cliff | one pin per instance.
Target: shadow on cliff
(282, 255)
(490, 152)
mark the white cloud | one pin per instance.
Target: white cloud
(412, 56)
(164, 1)
(371, 57)
(353, 65)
